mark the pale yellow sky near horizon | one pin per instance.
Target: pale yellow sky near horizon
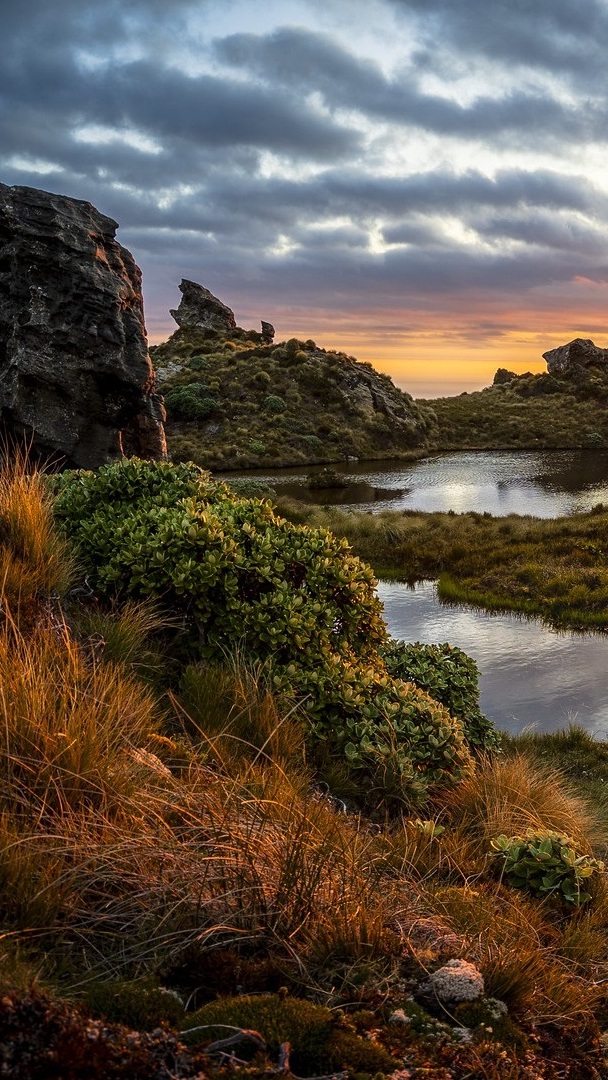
(430, 365)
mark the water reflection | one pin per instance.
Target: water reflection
(531, 676)
(547, 484)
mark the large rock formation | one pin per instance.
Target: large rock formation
(75, 375)
(578, 353)
(199, 309)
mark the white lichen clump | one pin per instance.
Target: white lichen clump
(455, 982)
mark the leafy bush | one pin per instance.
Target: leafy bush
(449, 676)
(274, 404)
(198, 363)
(546, 864)
(190, 402)
(293, 597)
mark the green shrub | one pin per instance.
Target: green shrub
(198, 363)
(292, 597)
(448, 675)
(546, 864)
(190, 402)
(274, 404)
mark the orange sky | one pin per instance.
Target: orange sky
(439, 356)
(443, 361)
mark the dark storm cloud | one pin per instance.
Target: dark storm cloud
(565, 37)
(207, 110)
(295, 56)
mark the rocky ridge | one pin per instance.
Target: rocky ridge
(236, 400)
(75, 374)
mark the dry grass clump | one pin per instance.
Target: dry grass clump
(513, 794)
(68, 726)
(185, 837)
(34, 561)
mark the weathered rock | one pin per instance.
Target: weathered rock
(199, 309)
(581, 352)
(267, 332)
(75, 375)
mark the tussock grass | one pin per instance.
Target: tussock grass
(34, 560)
(147, 836)
(556, 569)
(68, 727)
(512, 795)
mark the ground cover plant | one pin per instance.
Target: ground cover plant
(171, 852)
(236, 401)
(569, 410)
(554, 568)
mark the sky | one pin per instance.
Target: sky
(419, 183)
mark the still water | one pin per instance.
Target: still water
(531, 676)
(548, 484)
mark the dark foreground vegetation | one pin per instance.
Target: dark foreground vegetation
(212, 862)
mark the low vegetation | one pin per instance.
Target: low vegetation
(185, 851)
(241, 403)
(553, 568)
(526, 412)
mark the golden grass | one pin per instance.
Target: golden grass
(116, 863)
(69, 728)
(513, 794)
(34, 561)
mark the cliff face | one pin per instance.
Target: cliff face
(75, 375)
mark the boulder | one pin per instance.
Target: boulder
(581, 352)
(199, 309)
(76, 381)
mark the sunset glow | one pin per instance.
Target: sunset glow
(418, 183)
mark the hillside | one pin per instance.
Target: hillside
(235, 399)
(560, 410)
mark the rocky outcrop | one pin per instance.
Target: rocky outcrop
(581, 352)
(199, 309)
(75, 375)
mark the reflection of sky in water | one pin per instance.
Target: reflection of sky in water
(497, 482)
(530, 675)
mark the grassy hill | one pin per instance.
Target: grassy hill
(234, 401)
(568, 411)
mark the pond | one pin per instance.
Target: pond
(546, 484)
(531, 676)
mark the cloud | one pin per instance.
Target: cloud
(308, 168)
(310, 60)
(563, 37)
